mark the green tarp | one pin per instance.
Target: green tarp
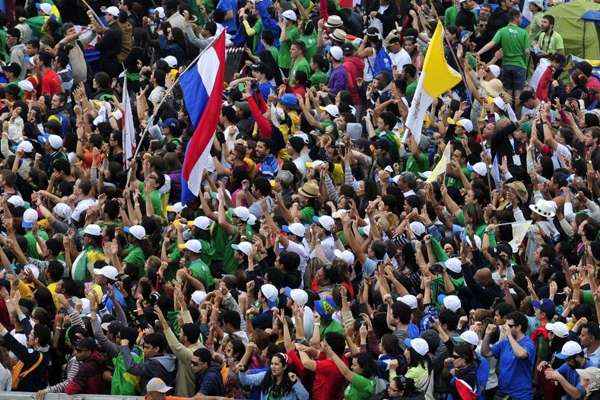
(575, 32)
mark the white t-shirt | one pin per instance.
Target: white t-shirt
(561, 150)
(400, 59)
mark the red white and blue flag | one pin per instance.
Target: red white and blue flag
(202, 87)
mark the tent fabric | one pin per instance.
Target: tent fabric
(569, 23)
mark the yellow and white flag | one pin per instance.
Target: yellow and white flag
(436, 78)
(519, 230)
(440, 167)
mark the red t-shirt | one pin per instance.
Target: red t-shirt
(51, 83)
(328, 384)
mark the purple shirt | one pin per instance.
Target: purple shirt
(337, 80)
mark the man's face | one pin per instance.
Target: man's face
(514, 328)
(82, 354)
(586, 338)
(545, 25)
(56, 102)
(261, 149)
(294, 52)
(155, 396)
(197, 365)
(31, 51)
(149, 350)
(11, 41)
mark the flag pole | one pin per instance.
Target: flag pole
(93, 12)
(166, 94)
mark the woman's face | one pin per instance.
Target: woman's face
(356, 368)
(229, 349)
(276, 366)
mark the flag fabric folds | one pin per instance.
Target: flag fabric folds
(202, 87)
(128, 137)
(436, 78)
(519, 231)
(440, 167)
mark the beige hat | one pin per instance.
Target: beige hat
(493, 87)
(339, 35)
(309, 189)
(334, 21)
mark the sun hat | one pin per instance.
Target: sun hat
(494, 70)
(269, 291)
(299, 296)
(480, 168)
(244, 214)
(309, 189)
(544, 208)
(25, 146)
(493, 87)
(338, 35)
(334, 21)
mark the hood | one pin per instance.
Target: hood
(168, 361)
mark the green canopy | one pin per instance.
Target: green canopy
(580, 37)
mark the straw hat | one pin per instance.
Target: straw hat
(309, 189)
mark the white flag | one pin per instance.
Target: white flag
(128, 135)
(442, 164)
(519, 230)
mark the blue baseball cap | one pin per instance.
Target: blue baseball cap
(289, 100)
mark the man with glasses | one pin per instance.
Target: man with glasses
(515, 353)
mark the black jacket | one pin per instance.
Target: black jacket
(109, 46)
(37, 379)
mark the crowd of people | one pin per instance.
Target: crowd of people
(331, 253)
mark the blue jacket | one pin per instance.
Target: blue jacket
(298, 391)
(210, 382)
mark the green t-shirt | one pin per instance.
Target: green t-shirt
(360, 388)
(310, 43)
(3, 47)
(201, 271)
(410, 90)
(299, 65)
(223, 251)
(136, 257)
(514, 42)
(307, 214)
(550, 44)
(285, 60)
(450, 16)
(32, 243)
(155, 199)
(333, 326)
(417, 164)
(318, 78)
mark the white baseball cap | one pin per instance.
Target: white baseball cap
(558, 328)
(244, 214)
(480, 168)
(332, 110)
(419, 345)
(325, 221)
(289, 14)
(108, 271)
(62, 210)
(157, 384)
(417, 228)
(346, 255)
(16, 200)
(112, 10)
(25, 145)
(25, 85)
(171, 61)
(30, 217)
(176, 208)
(466, 124)
(296, 229)
(299, 296)
(193, 245)
(336, 52)
(409, 300)
(137, 231)
(46, 8)
(201, 222)
(160, 11)
(199, 296)
(244, 247)
(92, 230)
(454, 264)
(55, 141)
(470, 337)
(569, 349)
(269, 291)
(452, 303)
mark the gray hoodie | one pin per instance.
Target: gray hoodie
(162, 366)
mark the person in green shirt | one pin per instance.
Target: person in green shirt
(319, 67)
(192, 250)
(308, 37)
(417, 161)
(450, 15)
(299, 62)
(549, 41)
(135, 258)
(514, 42)
(361, 374)
(289, 35)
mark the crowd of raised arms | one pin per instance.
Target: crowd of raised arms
(400, 199)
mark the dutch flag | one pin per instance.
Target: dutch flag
(202, 87)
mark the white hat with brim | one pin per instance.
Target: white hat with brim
(544, 208)
(244, 247)
(112, 10)
(480, 168)
(419, 345)
(452, 303)
(470, 337)
(193, 245)
(453, 264)
(201, 222)
(92, 230)
(558, 329)
(269, 291)
(295, 229)
(198, 297)
(334, 21)
(16, 201)
(108, 271)
(346, 255)
(289, 15)
(409, 300)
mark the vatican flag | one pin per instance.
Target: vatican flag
(436, 78)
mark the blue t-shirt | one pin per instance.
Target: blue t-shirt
(369, 267)
(515, 374)
(572, 377)
(225, 6)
